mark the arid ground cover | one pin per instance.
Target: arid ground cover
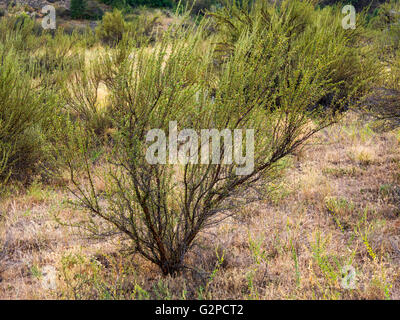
(86, 213)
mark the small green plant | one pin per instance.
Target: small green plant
(203, 292)
(140, 294)
(161, 290)
(35, 270)
(329, 265)
(339, 206)
(259, 255)
(363, 230)
(385, 190)
(296, 263)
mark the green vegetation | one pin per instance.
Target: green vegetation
(78, 8)
(136, 3)
(162, 208)
(77, 107)
(112, 27)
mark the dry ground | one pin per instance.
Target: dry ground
(337, 205)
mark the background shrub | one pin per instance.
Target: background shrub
(112, 27)
(303, 24)
(382, 103)
(24, 116)
(78, 8)
(93, 10)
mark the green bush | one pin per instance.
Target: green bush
(112, 27)
(142, 29)
(159, 208)
(382, 103)
(20, 32)
(385, 25)
(78, 8)
(33, 66)
(81, 98)
(93, 11)
(350, 63)
(24, 116)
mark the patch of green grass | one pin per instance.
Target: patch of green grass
(35, 271)
(341, 172)
(385, 190)
(359, 133)
(39, 193)
(339, 206)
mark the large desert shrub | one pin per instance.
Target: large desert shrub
(161, 208)
(33, 67)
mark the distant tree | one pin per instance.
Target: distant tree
(78, 8)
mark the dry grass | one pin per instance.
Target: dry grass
(337, 205)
